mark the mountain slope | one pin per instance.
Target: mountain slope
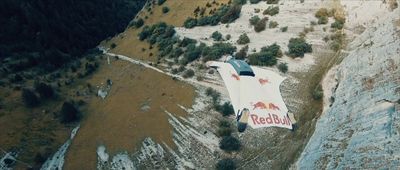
(361, 128)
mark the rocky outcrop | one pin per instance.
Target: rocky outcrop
(361, 129)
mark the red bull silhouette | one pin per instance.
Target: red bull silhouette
(259, 105)
(273, 107)
(235, 76)
(262, 105)
(263, 81)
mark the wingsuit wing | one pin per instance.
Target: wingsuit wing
(231, 81)
(259, 94)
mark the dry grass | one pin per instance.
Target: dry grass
(30, 130)
(118, 121)
(393, 4)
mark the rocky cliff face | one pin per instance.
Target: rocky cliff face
(362, 128)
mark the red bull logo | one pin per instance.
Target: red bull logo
(262, 105)
(273, 107)
(259, 105)
(263, 81)
(235, 76)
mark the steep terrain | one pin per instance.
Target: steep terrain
(361, 126)
(140, 112)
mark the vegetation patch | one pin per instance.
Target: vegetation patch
(224, 128)
(284, 29)
(271, 10)
(317, 94)
(273, 24)
(254, 20)
(298, 47)
(267, 56)
(226, 109)
(165, 10)
(243, 39)
(272, 1)
(230, 143)
(226, 164)
(225, 14)
(216, 36)
(30, 99)
(283, 67)
(242, 53)
(261, 24)
(254, 1)
(69, 113)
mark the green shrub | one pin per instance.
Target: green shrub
(228, 37)
(275, 49)
(260, 26)
(224, 124)
(224, 131)
(298, 46)
(337, 24)
(272, 1)
(271, 10)
(214, 95)
(45, 91)
(226, 164)
(239, 2)
(176, 52)
(217, 36)
(232, 14)
(267, 56)
(262, 59)
(137, 23)
(69, 113)
(284, 29)
(283, 67)
(225, 14)
(145, 33)
(208, 20)
(29, 98)
(254, 20)
(113, 45)
(322, 15)
(323, 20)
(242, 53)
(318, 93)
(337, 41)
(186, 41)
(190, 22)
(273, 24)
(192, 52)
(254, 1)
(334, 45)
(224, 128)
(188, 74)
(243, 39)
(165, 9)
(322, 12)
(217, 50)
(226, 109)
(229, 143)
(313, 23)
(160, 2)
